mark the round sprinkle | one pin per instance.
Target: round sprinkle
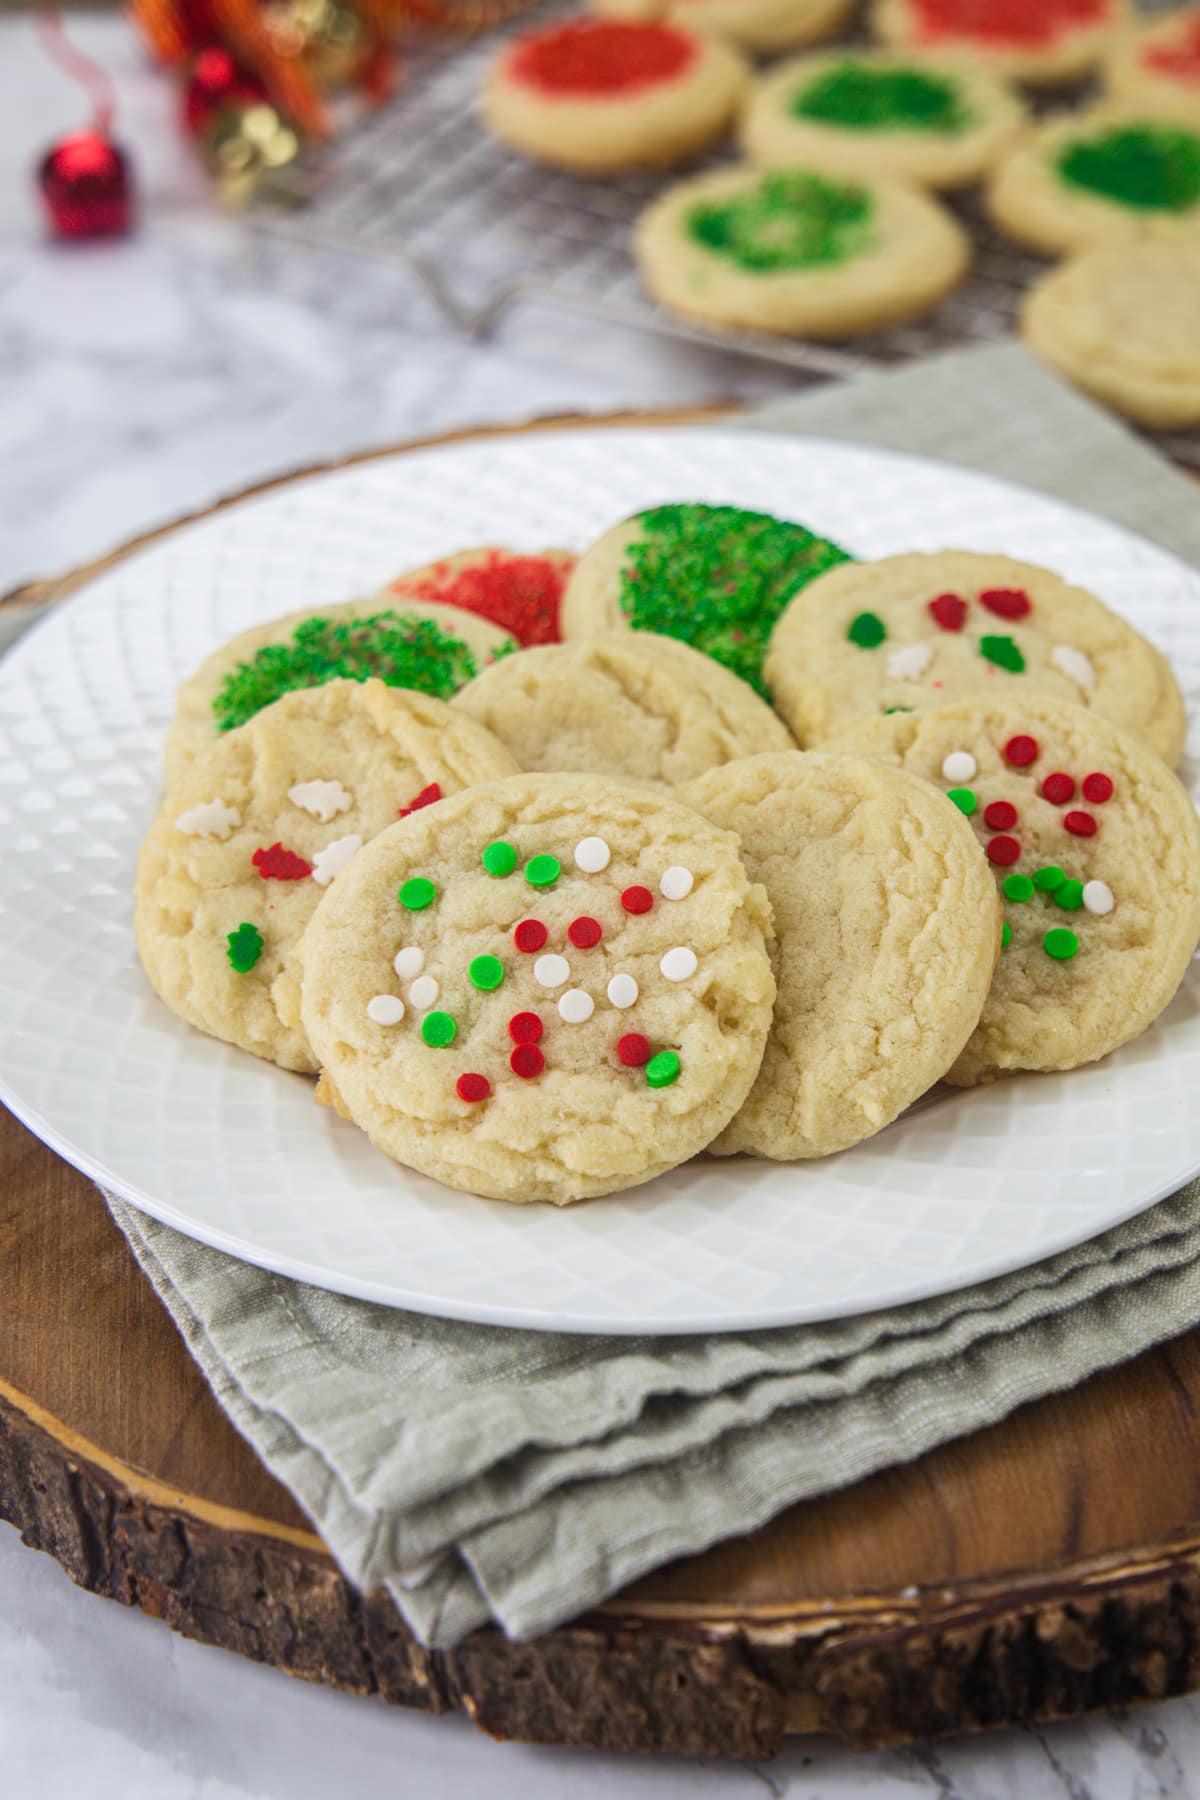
(1049, 879)
(1001, 815)
(633, 1050)
(551, 971)
(1058, 788)
(385, 1009)
(677, 883)
(417, 894)
(679, 964)
(530, 935)
(1021, 750)
(438, 1029)
(867, 631)
(1060, 943)
(473, 1088)
(950, 611)
(1069, 896)
(637, 899)
(527, 1061)
(964, 799)
(525, 1028)
(423, 993)
(592, 855)
(542, 871)
(1017, 887)
(1004, 652)
(1006, 603)
(576, 1007)
(486, 972)
(584, 932)
(1005, 935)
(1098, 898)
(1003, 850)
(959, 766)
(662, 1069)
(1080, 824)
(499, 859)
(1097, 788)
(408, 962)
(622, 991)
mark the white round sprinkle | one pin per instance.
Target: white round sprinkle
(1074, 665)
(423, 993)
(960, 765)
(908, 662)
(623, 991)
(677, 883)
(678, 964)
(408, 962)
(385, 1009)
(1098, 897)
(576, 1006)
(551, 971)
(592, 855)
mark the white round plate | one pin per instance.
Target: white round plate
(234, 1152)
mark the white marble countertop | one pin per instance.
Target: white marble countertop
(140, 381)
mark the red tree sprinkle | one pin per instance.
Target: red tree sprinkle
(280, 865)
(950, 611)
(426, 797)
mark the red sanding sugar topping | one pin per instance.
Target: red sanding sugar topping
(473, 1087)
(522, 594)
(530, 935)
(1080, 824)
(1001, 815)
(1179, 55)
(950, 611)
(426, 797)
(1021, 751)
(637, 899)
(583, 933)
(598, 57)
(1058, 788)
(527, 1061)
(1097, 788)
(281, 864)
(1003, 850)
(1035, 22)
(633, 1050)
(1006, 603)
(525, 1028)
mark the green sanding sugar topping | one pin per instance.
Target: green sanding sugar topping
(867, 631)
(1004, 652)
(792, 220)
(1018, 887)
(438, 1029)
(1060, 943)
(718, 578)
(1069, 895)
(542, 871)
(499, 858)
(244, 947)
(417, 893)
(662, 1069)
(486, 972)
(399, 648)
(1152, 168)
(865, 98)
(1048, 879)
(964, 799)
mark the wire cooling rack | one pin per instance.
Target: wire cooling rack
(422, 185)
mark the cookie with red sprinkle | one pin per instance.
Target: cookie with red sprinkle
(518, 591)
(1158, 63)
(758, 25)
(1048, 43)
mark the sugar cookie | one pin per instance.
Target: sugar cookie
(755, 24)
(1157, 63)
(1044, 42)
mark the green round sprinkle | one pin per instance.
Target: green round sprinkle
(867, 631)
(499, 858)
(1069, 896)
(1018, 887)
(486, 972)
(964, 799)
(417, 893)
(1048, 879)
(438, 1029)
(1060, 943)
(1004, 652)
(244, 947)
(1005, 935)
(662, 1069)
(541, 871)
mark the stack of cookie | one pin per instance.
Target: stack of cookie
(768, 844)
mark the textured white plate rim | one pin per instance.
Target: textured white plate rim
(527, 1315)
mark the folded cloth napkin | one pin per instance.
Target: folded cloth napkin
(515, 1476)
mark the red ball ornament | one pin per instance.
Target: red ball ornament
(86, 186)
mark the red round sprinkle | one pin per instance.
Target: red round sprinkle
(1080, 824)
(637, 899)
(428, 796)
(584, 932)
(1097, 788)
(1001, 815)
(1021, 751)
(283, 865)
(473, 1087)
(633, 1050)
(530, 935)
(1058, 788)
(525, 1028)
(950, 611)
(527, 1061)
(1003, 850)
(1006, 603)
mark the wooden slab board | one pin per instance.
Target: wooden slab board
(1036, 1570)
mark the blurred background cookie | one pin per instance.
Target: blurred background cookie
(1044, 42)
(759, 25)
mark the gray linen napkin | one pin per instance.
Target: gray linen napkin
(486, 1474)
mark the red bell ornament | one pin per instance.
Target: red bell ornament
(86, 185)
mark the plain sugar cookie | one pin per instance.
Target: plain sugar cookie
(556, 988)
(1045, 42)
(1095, 848)
(887, 929)
(758, 25)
